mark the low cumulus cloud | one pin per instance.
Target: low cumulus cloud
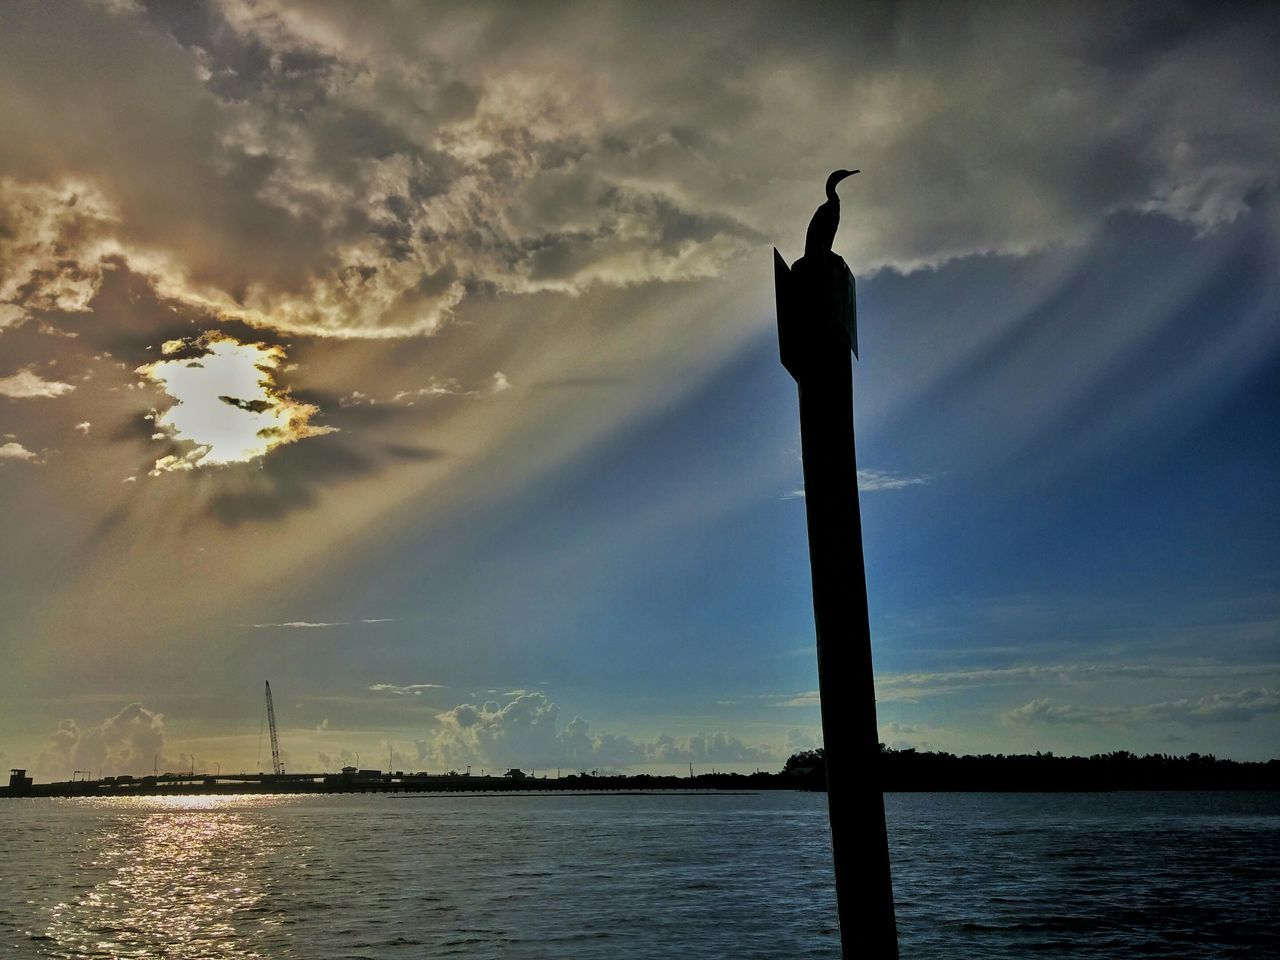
(13, 452)
(526, 732)
(27, 384)
(1240, 706)
(128, 742)
(908, 736)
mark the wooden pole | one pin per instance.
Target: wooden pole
(817, 327)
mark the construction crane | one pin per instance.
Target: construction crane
(275, 742)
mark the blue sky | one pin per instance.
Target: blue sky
(531, 494)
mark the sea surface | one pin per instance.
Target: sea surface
(633, 876)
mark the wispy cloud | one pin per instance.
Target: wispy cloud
(407, 690)
(320, 624)
(870, 481)
(301, 624)
(434, 387)
(912, 687)
(810, 698)
(1238, 706)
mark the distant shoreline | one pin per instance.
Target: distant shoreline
(900, 771)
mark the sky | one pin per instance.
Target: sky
(422, 359)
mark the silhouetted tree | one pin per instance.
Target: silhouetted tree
(804, 761)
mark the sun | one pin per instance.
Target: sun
(227, 404)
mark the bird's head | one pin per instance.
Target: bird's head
(836, 178)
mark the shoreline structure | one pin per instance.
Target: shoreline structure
(900, 771)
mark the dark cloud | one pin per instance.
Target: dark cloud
(253, 406)
(406, 452)
(343, 175)
(287, 481)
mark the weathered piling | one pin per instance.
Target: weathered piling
(817, 328)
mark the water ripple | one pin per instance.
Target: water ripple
(649, 876)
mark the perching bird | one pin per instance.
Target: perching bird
(822, 228)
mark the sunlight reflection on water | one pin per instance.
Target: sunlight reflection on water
(645, 877)
(180, 871)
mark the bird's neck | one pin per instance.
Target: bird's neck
(831, 187)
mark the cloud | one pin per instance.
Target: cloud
(128, 742)
(320, 624)
(1236, 707)
(397, 180)
(27, 384)
(718, 747)
(16, 451)
(434, 387)
(908, 736)
(869, 480)
(912, 687)
(413, 202)
(411, 689)
(810, 698)
(301, 625)
(525, 732)
(55, 242)
(530, 185)
(872, 480)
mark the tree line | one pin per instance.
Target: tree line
(911, 769)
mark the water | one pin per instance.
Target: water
(632, 876)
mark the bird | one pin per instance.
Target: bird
(822, 228)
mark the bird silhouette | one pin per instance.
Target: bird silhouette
(822, 228)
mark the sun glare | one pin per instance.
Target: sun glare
(227, 403)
